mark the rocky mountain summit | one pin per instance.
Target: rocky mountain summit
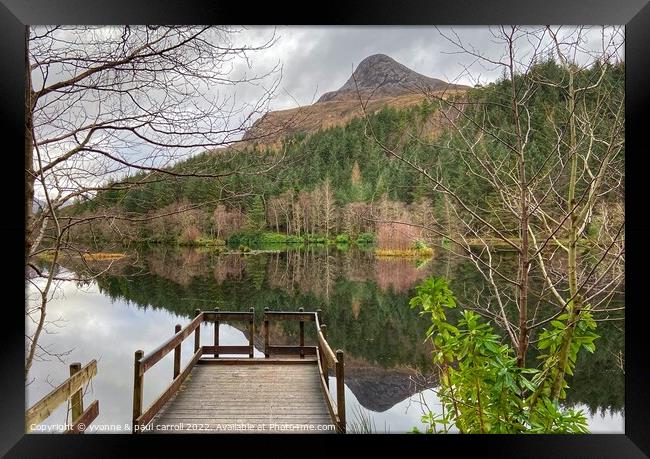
(383, 76)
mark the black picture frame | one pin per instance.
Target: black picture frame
(635, 14)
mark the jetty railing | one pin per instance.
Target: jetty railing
(217, 317)
(326, 358)
(72, 389)
(144, 362)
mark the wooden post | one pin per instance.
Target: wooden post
(323, 357)
(266, 333)
(302, 335)
(340, 389)
(137, 390)
(76, 401)
(177, 354)
(319, 313)
(197, 332)
(216, 334)
(251, 332)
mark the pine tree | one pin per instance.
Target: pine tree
(257, 215)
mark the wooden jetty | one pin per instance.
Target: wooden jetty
(286, 391)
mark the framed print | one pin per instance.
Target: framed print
(396, 225)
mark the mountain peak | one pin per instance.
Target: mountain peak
(383, 76)
(381, 80)
(376, 58)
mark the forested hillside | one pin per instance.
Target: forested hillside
(338, 182)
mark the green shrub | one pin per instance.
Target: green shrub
(272, 238)
(202, 242)
(482, 389)
(592, 231)
(366, 238)
(342, 239)
(245, 238)
(314, 239)
(419, 245)
(253, 238)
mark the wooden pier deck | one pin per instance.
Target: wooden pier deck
(286, 391)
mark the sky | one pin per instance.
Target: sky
(316, 60)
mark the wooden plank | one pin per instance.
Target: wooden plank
(44, 407)
(209, 426)
(205, 398)
(274, 376)
(177, 354)
(150, 412)
(340, 390)
(216, 338)
(323, 363)
(76, 401)
(226, 350)
(265, 413)
(243, 419)
(262, 378)
(251, 333)
(224, 316)
(302, 336)
(266, 333)
(184, 405)
(291, 350)
(228, 418)
(308, 399)
(269, 361)
(85, 419)
(305, 401)
(138, 385)
(262, 392)
(197, 332)
(282, 315)
(154, 356)
(240, 410)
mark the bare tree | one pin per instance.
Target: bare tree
(102, 103)
(328, 209)
(538, 204)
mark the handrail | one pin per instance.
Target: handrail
(161, 351)
(153, 408)
(142, 363)
(71, 389)
(290, 315)
(325, 347)
(211, 316)
(324, 383)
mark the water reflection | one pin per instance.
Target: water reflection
(365, 306)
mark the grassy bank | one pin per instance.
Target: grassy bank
(415, 253)
(267, 238)
(418, 250)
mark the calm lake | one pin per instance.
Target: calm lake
(364, 300)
